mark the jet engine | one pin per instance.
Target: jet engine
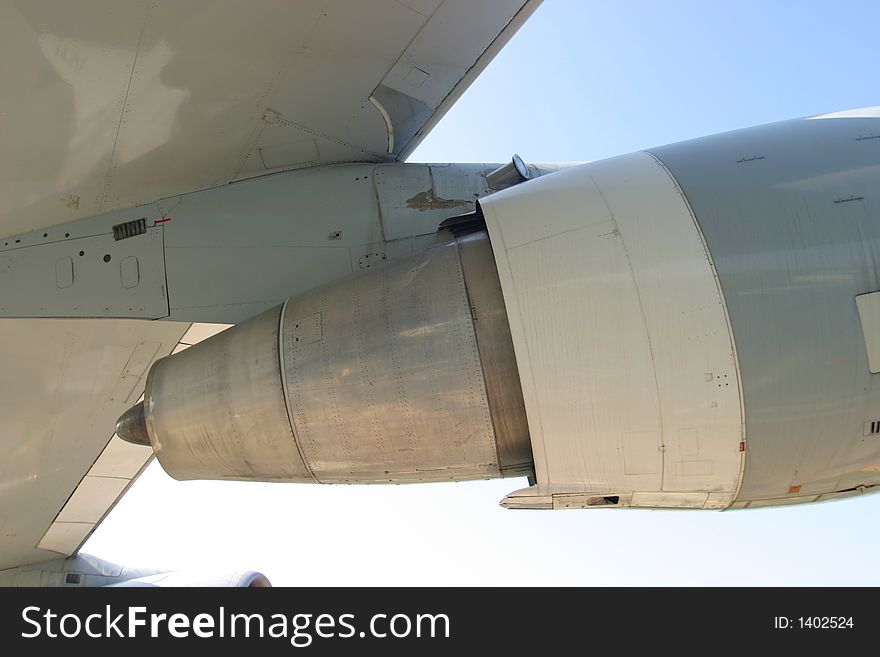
(693, 326)
(404, 373)
(88, 570)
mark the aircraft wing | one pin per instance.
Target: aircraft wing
(64, 382)
(109, 104)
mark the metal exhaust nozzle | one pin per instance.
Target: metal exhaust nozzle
(132, 426)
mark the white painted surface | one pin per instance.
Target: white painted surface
(53, 276)
(438, 57)
(869, 315)
(89, 501)
(115, 104)
(64, 384)
(121, 460)
(628, 367)
(201, 331)
(413, 199)
(119, 464)
(65, 537)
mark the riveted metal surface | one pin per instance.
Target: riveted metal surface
(791, 215)
(216, 410)
(64, 382)
(378, 377)
(626, 358)
(150, 98)
(390, 389)
(500, 373)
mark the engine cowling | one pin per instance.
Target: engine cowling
(688, 327)
(90, 571)
(247, 579)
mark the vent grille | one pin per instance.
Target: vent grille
(72, 578)
(607, 500)
(129, 229)
(872, 428)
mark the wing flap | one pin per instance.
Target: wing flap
(64, 383)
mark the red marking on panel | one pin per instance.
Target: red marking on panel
(162, 221)
(742, 446)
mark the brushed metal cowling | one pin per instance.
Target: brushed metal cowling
(405, 373)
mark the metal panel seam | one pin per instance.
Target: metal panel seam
(680, 190)
(165, 275)
(284, 391)
(485, 58)
(470, 302)
(646, 328)
(514, 312)
(108, 181)
(113, 505)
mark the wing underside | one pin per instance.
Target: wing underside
(109, 104)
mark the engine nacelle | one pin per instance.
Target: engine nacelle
(404, 373)
(246, 579)
(691, 327)
(86, 570)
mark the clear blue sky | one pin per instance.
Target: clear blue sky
(582, 80)
(587, 79)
